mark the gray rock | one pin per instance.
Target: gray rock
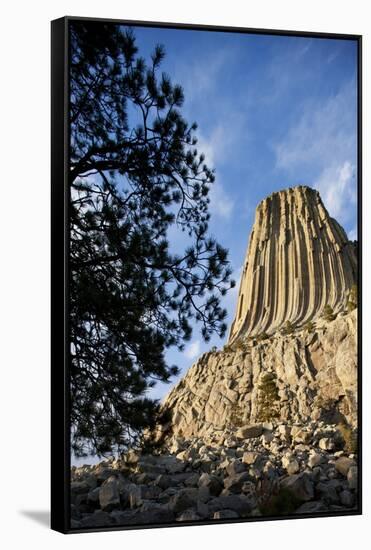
(188, 515)
(346, 498)
(234, 483)
(93, 496)
(109, 495)
(225, 514)
(184, 499)
(300, 485)
(343, 464)
(311, 507)
(290, 463)
(235, 467)
(248, 432)
(240, 504)
(327, 493)
(352, 477)
(79, 488)
(212, 482)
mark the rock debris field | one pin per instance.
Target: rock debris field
(257, 470)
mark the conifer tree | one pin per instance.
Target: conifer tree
(135, 173)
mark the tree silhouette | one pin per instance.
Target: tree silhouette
(134, 174)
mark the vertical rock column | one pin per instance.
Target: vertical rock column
(299, 260)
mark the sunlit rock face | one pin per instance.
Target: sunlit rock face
(298, 265)
(299, 260)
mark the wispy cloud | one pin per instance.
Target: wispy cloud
(193, 350)
(323, 143)
(353, 234)
(213, 146)
(337, 186)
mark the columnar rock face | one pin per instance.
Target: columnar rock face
(288, 359)
(299, 260)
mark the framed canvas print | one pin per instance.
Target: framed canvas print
(206, 221)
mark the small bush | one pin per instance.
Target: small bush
(236, 416)
(261, 336)
(309, 327)
(268, 398)
(328, 313)
(288, 328)
(349, 437)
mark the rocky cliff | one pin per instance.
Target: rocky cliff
(292, 351)
(299, 260)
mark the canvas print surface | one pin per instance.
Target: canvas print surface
(213, 275)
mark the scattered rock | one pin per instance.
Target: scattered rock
(225, 514)
(343, 464)
(248, 432)
(352, 477)
(109, 495)
(300, 485)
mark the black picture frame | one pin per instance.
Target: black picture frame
(60, 398)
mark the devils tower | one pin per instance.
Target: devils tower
(293, 324)
(298, 262)
(268, 424)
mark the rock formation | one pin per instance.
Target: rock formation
(299, 260)
(266, 426)
(293, 337)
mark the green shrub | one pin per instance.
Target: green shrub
(309, 327)
(328, 313)
(288, 328)
(349, 437)
(261, 336)
(268, 398)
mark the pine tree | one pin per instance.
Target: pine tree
(268, 397)
(135, 173)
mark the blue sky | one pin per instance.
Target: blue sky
(272, 112)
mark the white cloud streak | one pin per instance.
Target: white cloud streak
(193, 350)
(324, 139)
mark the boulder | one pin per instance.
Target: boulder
(312, 507)
(346, 498)
(290, 464)
(327, 443)
(234, 483)
(212, 482)
(184, 499)
(343, 464)
(248, 432)
(300, 485)
(242, 505)
(250, 457)
(314, 459)
(352, 477)
(300, 435)
(235, 467)
(109, 494)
